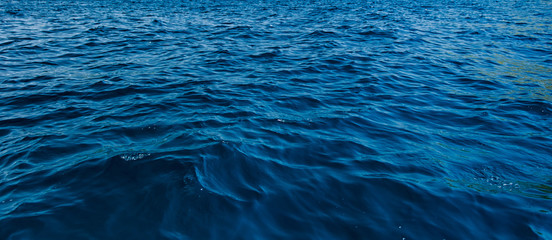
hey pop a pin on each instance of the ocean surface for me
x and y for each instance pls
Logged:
(290, 119)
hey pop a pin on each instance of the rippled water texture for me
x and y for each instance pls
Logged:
(316, 119)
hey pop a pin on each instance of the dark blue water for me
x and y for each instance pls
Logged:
(286, 119)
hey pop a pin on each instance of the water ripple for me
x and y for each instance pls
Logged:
(275, 120)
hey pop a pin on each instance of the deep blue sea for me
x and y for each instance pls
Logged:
(289, 119)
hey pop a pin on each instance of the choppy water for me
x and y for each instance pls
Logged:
(284, 119)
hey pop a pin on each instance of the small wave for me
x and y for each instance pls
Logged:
(378, 33)
(322, 33)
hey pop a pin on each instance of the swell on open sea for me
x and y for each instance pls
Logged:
(289, 119)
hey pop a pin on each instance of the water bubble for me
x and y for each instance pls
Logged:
(134, 156)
